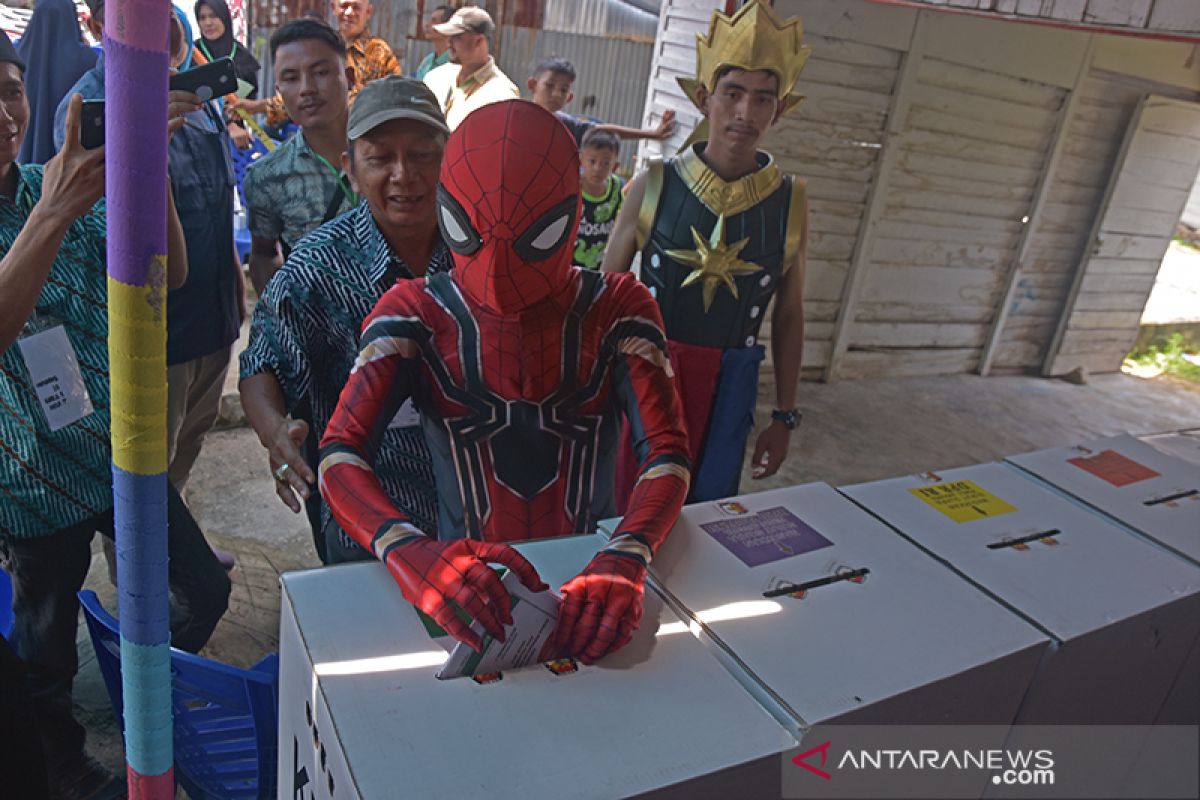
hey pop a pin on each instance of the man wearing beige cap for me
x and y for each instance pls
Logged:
(471, 80)
(304, 336)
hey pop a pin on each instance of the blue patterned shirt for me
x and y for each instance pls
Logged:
(305, 332)
(50, 480)
(288, 192)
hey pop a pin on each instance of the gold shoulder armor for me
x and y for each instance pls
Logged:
(795, 223)
(654, 185)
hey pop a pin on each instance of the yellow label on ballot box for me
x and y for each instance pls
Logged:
(963, 501)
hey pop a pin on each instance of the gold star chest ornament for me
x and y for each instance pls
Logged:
(714, 262)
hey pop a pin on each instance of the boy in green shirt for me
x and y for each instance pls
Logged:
(602, 196)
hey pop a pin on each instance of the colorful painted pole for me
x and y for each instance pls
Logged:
(135, 117)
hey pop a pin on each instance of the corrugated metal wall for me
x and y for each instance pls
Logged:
(600, 18)
(612, 73)
(610, 42)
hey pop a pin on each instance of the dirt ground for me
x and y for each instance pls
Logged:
(851, 432)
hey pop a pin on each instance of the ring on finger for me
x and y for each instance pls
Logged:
(281, 473)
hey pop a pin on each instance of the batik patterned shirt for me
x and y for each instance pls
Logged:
(288, 192)
(305, 332)
(50, 480)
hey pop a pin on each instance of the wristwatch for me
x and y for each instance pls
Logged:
(790, 418)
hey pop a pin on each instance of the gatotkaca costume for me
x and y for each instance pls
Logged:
(521, 367)
(713, 253)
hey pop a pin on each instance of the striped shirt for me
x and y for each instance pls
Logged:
(50, 480)
(305, 332)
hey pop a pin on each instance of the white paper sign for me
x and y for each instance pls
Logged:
(56, 377)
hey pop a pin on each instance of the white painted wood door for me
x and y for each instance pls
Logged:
(968, 155)
(1145, 198)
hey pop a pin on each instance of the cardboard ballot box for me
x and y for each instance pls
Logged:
(1181, 444)
(1131, 481)
(362, 715)
(822, 610)
(1123, 612)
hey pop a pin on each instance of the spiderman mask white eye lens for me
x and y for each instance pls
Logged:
(543, 238)
(456, 229)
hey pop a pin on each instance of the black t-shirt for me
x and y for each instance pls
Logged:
(578, 126)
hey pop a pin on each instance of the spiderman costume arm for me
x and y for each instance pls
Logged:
(432, 575)
(602, 606)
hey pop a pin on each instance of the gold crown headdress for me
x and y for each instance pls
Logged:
(752, 39)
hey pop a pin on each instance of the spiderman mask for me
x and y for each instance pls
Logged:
(508, 205)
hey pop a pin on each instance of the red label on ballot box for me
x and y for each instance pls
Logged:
(1111, 466)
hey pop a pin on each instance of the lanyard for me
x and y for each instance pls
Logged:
(208, 55)
(341, 179)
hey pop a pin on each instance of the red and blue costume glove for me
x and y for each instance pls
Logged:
(601, 608)
(433, 575)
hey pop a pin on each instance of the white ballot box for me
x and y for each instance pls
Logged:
(1153, 493)
(362, 715)
(1181, 444)
(1123, 612)
(821, 609)
(1183, 704)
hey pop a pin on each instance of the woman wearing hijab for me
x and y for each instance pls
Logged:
(56, 57)
(216, 41)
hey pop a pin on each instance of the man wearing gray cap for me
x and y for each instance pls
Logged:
(471, 79)
(305, 331)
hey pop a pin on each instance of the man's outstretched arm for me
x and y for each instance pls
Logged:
(787, 349)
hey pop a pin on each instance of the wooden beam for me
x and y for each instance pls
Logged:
(1081, 267)
(1035, 214)
(888, 162)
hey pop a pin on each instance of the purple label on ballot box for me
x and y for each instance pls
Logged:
(766, 536)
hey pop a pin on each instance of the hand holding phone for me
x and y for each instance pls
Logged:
(73, 180)
(91, 124)
(208, 81)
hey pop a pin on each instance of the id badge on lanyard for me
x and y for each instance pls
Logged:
(54, 371)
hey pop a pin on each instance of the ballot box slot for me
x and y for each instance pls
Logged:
(1022, 542)
(959, 571)
(799, 590)
(1171, 498)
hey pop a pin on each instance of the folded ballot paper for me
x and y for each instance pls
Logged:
(534, 616)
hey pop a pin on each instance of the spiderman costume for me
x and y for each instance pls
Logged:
(521, 367)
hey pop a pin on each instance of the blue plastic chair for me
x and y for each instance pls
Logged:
(288, 130)
(242, 240)
(226, 719)
(6, 598)
(242, 159)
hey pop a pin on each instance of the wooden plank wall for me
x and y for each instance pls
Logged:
(1181, 16)
(1120, 267)
(834, 140)
(972, 151)
(932, 244)
(1075, 191)
(674, 56)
